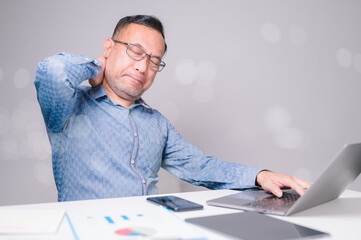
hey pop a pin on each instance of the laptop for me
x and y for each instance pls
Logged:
(341, 172)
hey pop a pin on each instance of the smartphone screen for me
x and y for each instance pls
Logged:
(175, 203)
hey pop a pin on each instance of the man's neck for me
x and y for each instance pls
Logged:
(114, 97)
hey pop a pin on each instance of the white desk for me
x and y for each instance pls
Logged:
(341, 217)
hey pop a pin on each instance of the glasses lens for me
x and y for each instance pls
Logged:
(154, 63)
(161, 66)
(156, 66)
(135, 52)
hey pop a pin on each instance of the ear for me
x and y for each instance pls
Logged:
(108, 46)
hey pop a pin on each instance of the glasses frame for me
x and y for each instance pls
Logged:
(160, 66)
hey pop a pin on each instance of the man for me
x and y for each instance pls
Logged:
(107, 142)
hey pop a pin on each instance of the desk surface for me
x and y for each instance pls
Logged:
(341, 217)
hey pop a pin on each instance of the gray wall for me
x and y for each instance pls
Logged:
(274, 84)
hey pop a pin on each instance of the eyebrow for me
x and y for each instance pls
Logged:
(140, 46)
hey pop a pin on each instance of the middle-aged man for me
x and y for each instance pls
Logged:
(107, 142)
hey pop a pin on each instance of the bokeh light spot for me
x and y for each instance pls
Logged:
(186, 71)
(277, 118)
(270, 32)
(38, 144)
(9, 148)
(4, 121)
(42, 173)
(344, 57)
(207, 72)
(21, 78)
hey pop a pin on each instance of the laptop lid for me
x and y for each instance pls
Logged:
(340, 173)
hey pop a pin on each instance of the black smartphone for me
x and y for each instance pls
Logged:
(175, 203)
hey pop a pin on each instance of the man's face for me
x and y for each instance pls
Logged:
(126, 77)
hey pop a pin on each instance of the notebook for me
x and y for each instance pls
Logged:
(340, 173)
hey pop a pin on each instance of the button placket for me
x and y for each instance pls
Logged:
(135, 151)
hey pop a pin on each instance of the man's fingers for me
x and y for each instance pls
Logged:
(298, 188)
(294, 183)
(273, 187)
(98, 79)
(305, 184)
(274, 182)
(275, 190)
(299, 185)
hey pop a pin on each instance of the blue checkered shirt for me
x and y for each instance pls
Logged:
(101, 149)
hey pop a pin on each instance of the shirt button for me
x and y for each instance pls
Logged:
(132, 162)
(135, 134)
(143, 181)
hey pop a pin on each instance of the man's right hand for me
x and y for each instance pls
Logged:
(98, 79)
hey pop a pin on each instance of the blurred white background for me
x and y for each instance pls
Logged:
(273, 84)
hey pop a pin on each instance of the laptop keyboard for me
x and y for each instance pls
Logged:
(275, 204)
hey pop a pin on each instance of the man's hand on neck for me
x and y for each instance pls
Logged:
(98, 79)
(94, 82)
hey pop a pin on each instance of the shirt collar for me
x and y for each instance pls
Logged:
(140, 101)
(99, 92)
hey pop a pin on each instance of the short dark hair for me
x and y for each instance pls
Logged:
(146, 20)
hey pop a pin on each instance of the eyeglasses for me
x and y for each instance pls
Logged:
(138, 54)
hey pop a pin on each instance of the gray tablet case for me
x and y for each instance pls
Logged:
(252, 226)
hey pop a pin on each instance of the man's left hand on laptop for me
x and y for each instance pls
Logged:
(273, 182)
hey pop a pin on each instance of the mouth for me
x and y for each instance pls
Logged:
(137, 79)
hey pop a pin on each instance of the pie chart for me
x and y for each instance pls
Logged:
(136, 231)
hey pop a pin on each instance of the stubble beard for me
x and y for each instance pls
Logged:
(122, 91)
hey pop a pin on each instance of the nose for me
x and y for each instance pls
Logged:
(141, 65)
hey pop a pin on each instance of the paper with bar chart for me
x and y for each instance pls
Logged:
(153, 223)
